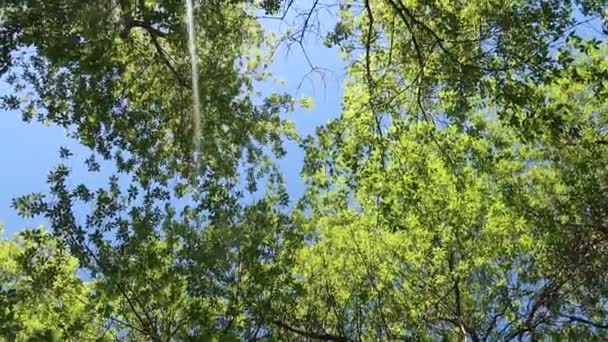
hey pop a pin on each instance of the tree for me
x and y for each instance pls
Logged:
(448, 198)
(114, 74)
(42, 297)
(458, 196)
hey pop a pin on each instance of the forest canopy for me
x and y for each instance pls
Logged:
(460, 193)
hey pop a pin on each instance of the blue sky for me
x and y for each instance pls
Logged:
(28, 151)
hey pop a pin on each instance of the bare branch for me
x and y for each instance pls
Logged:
(312, 9)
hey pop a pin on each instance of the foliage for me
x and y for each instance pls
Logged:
(42, 297)
(459, 195)
(451, 198)
(114, 73)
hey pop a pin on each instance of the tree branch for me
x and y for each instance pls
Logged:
(154, 33)
(312, 9)
(131, 23)
(315, 336)
(585, 321)
(165, 58)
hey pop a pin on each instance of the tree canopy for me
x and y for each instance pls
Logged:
(459, 195)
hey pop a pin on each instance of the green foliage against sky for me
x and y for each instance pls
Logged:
(459, 195)
(42, 297)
